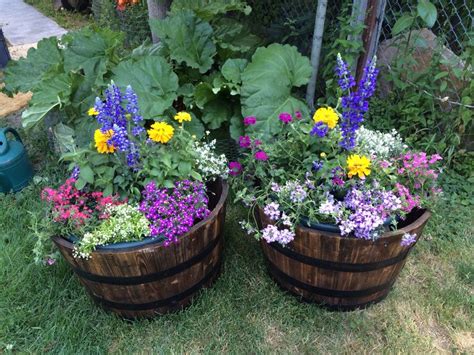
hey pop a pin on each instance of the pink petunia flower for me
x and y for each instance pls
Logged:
(250, 120)
(245, 141)
(285, 117)
(235, 168)
(261, 155)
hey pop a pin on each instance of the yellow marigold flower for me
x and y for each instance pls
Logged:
(182, 116)
(161, 132)
(92, 112)
(358, 165)
(322, 155)
(326, 115)
(101, 141)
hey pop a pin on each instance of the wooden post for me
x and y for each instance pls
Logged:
(316, 50)
(370, 37)
(359, 10)
(157, 9)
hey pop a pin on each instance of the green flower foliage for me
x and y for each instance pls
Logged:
(109, 172)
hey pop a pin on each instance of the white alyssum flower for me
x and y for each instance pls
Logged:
(126, 223)
(378, 144)
(209, 164)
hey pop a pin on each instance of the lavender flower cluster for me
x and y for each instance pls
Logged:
(172, 212)
(271, 234)
(113, 116)
(296, 192)
(356, 103)
(363, 210)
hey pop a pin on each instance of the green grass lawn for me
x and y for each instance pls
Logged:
(430, 309)
(67, 19)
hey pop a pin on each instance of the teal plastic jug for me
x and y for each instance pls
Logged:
(16, 170)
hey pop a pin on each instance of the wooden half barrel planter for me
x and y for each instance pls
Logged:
(145, 278)
(341, 273)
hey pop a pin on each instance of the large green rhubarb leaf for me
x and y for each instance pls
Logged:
(208, 9)
(153, 80)
(230, 34)
(267, 84)
(188, 38)
(24, 74)
(93, 52)
(48, 95)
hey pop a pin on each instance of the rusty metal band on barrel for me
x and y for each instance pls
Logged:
(136, 280)
(337, 266)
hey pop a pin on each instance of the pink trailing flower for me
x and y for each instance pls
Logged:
(245, 142)
(261, 155)
(298, 115)
(76, 207)
(434, 158)
(250, 120)
(235, 168)
(257, 142)
(285, 117)
(409, 202)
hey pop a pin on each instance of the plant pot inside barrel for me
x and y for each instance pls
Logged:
(145, 278)
(342, 273)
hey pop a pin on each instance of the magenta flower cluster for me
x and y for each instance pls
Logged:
(172, 212)
(285, 117)
(420, 169)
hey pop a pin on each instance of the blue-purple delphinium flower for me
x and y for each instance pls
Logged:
(132, 109)
(346, 80)
(317, 165)
(320, 129)
(75, 172)
(113, 116)
(356, 103)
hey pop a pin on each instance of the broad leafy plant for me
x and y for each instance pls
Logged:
(64, 76)
(268, 83)
(209, 52)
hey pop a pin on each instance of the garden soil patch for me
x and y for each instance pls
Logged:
(10, 105)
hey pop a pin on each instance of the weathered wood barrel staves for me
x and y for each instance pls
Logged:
(142, 281)
(341, 273)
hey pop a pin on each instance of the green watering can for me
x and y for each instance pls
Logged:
(15, 167)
